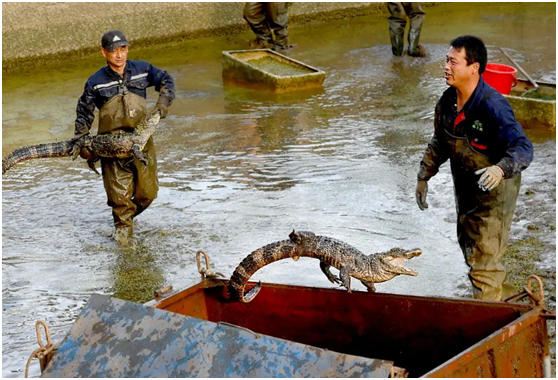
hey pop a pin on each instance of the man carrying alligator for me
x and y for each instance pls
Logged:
(118, 90)
(475, 128)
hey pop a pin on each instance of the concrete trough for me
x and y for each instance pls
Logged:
(534, 112)
(265, 69)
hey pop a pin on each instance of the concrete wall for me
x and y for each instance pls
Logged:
(48, 30)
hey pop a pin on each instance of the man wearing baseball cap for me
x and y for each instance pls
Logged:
(119, 91)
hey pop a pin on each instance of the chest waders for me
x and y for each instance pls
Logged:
(483, 217)
(130, 185)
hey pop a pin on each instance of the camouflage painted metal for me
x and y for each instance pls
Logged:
(115, 338)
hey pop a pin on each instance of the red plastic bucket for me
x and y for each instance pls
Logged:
(501, 77)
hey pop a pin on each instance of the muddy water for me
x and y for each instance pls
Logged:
(239, 169)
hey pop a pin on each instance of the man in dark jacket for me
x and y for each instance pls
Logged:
(475, 129)
(118, 90)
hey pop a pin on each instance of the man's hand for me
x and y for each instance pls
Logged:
(80, 149)
(491, 177)
(163, 109)
(422, 189)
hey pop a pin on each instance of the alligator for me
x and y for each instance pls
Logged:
(120, 145)
(374, 268)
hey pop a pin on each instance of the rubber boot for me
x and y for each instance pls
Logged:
(397, 22)
(416, 17)
(396, 44)
(255, 16)
(278, 18)
(259, 43)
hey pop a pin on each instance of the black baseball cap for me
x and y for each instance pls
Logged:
(113, 39)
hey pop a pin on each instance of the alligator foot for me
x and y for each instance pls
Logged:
(91, 164)
(75, 151)
(136, 151)
(330, 276)
(345, 277)
(369, 286)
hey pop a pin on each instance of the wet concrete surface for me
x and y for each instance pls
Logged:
(239, 169)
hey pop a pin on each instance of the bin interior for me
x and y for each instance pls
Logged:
(273, 63)
(416, 333)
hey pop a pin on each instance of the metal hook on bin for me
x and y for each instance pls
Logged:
(206, 272)
(47, 334)
(45, 352)
(537, 300)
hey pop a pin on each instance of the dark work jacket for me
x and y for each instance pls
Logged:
(487, 130)
(106, 84)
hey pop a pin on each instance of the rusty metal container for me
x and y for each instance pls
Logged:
(296, 331)
(265, 69)
(427, 336)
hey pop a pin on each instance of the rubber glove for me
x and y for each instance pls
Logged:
(491, 177)
(83, 151)
(163, 109)
(422, 189)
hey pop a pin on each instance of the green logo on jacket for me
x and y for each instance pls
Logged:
(478, 126)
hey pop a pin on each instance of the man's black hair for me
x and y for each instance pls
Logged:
(475, 51)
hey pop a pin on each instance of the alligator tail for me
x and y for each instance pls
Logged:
(252, 263)
(59, 149)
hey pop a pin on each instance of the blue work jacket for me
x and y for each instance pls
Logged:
(106, 84)
(486, 128)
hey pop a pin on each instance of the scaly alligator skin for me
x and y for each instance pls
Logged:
(374, 268)
(121, 145)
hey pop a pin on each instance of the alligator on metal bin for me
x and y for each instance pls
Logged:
(374, 268)
(121, 145)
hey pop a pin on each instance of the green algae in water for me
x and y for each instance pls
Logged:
(275, 67)
(136, 275)
(541, 94)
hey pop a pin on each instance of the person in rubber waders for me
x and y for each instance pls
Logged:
(475, 128)
(269, 22)
(119, 91)
(399, 12)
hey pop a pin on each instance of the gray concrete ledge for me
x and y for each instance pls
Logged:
(33, 33)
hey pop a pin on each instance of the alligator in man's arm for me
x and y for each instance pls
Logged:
(374, 268)
(110, 145)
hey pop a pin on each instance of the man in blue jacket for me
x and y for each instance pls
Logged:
(476, 130)
(119, 91)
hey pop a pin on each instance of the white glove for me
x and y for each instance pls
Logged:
(491, 178)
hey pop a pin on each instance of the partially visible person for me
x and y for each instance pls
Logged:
(475, 128)
(263, 18)
(119, 91)
(397, 23)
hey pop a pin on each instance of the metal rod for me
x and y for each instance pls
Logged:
(520, 68)
(160, 292)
